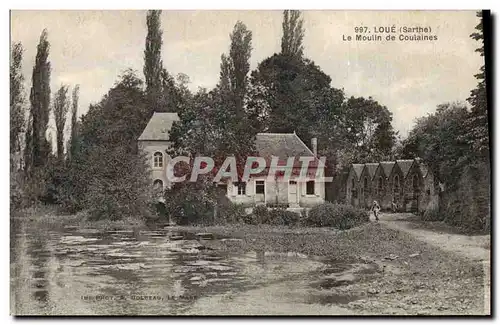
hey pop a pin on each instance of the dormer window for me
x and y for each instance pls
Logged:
(158, 160)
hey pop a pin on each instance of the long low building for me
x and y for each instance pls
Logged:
(402, 185)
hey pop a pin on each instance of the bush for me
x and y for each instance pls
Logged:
(231, 213)
(260, 215)
(283, 217)
(340, 216)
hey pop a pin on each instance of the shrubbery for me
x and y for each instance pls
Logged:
(340, 216)
(276, 216)
(231, 213)
(283, 217)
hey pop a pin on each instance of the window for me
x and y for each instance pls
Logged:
(259, 187)
(310, 188)
(416, 184)
(158, 187)
(396, 186)
(353, 189)
(242, 188)
(380, 185)
(158, 160)
(365, 185)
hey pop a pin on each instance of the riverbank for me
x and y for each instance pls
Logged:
(47, 216)
(409, 277)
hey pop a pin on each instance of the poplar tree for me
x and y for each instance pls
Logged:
(73, 141)
(16, 97)
(153, 65)
(293, 34)
(40, 103)
(61, 107)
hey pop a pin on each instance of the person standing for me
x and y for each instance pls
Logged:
(376, 209)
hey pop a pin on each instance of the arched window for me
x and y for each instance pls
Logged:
(158, 160)
(353, 189)
(416, 185)
(396, 184)
(380, 185)
(158, 185)
(365, 184)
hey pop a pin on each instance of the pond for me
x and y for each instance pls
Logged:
(148, 272)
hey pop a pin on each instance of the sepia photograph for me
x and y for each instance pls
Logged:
(250, 162)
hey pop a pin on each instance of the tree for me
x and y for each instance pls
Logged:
(61, 106)
(110, 176)
(477, 123)
(73, 141)
(16, 97)
(40, 103)
(436, 139)
(175, 94)
(368, 134)
(293, 34)
(291, 95)
(235, 67)
(153, 65)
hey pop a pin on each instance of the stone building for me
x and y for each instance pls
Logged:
(352, 184)
(293, 193)
(382, 192)
(406, 184)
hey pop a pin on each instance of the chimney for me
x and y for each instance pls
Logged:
(314, 146)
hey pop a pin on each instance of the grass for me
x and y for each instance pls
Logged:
(46, 216)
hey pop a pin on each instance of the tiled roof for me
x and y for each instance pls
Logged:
(358, 169)
(371, 168)
(387, 167)
(282, 145)
(159, 126)
(405, 165)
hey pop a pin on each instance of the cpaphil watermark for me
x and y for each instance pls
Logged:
(300, 168)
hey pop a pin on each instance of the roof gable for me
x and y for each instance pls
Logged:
(358, 169)
(371, 168)
(387, 167)
(159, 126)
(405, 166)
(282, 145)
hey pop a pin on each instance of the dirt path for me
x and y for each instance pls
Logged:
(471, 247)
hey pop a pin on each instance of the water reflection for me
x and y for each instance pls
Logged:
(39, 255)
(155, 272)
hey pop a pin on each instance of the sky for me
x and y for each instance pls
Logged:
(92, 48)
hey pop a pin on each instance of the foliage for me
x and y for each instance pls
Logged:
(153, 65)
(260, 215)
(120, 186)
(192, 202)
(477, 123)
(469, 205)
(292, 94)
(214, 123)
(61, 107)
(283, 217)
(109, 175)
(230, 213)
(73, 143)
(235, 68)
(16, 97)
(436, 139)
(340, 216)
(368, 134)
(293, 34)
(39, 148)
